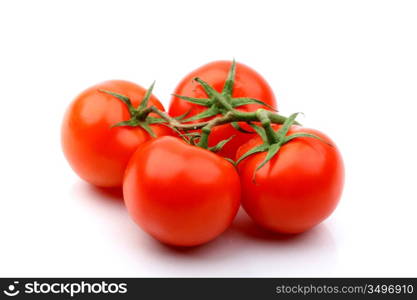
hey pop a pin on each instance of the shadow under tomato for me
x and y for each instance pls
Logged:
(246, 227)
(246, 250)
(244, 232)
(99, 194)
(183, 250)
(113, 194)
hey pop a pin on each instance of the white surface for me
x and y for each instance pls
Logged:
(350, 66)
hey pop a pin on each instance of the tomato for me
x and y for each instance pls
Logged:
(97, 152)
(298, 188)
(248, 83)
(180, 194)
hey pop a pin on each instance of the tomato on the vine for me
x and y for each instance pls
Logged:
(247, 83)
(180, 194)
(298, 188)
(96, 151)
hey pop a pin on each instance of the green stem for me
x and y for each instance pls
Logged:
(222, 100)
(263, 116)
(278, 119)
(232, 116)
(141, 115)
(172, 121)
(252, 117)
(206, 130)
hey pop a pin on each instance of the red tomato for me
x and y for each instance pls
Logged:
(248, 83)
(97, 152)
(298, 188)
(180, 194)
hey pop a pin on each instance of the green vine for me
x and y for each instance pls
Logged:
(221, 108)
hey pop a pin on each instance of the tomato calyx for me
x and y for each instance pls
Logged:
(220, 103)
(272, 139)
(221, 108)
(219, 146)
(139, 116)
(193, 138)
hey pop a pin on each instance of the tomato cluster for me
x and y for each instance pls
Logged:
(185, 173)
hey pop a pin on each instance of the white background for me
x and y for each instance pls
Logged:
(350, 66)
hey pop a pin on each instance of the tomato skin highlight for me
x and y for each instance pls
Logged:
(180, 194)
(97, 152)
(248, 83)
(297, 189)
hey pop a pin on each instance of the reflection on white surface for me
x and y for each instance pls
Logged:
(243, 250)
